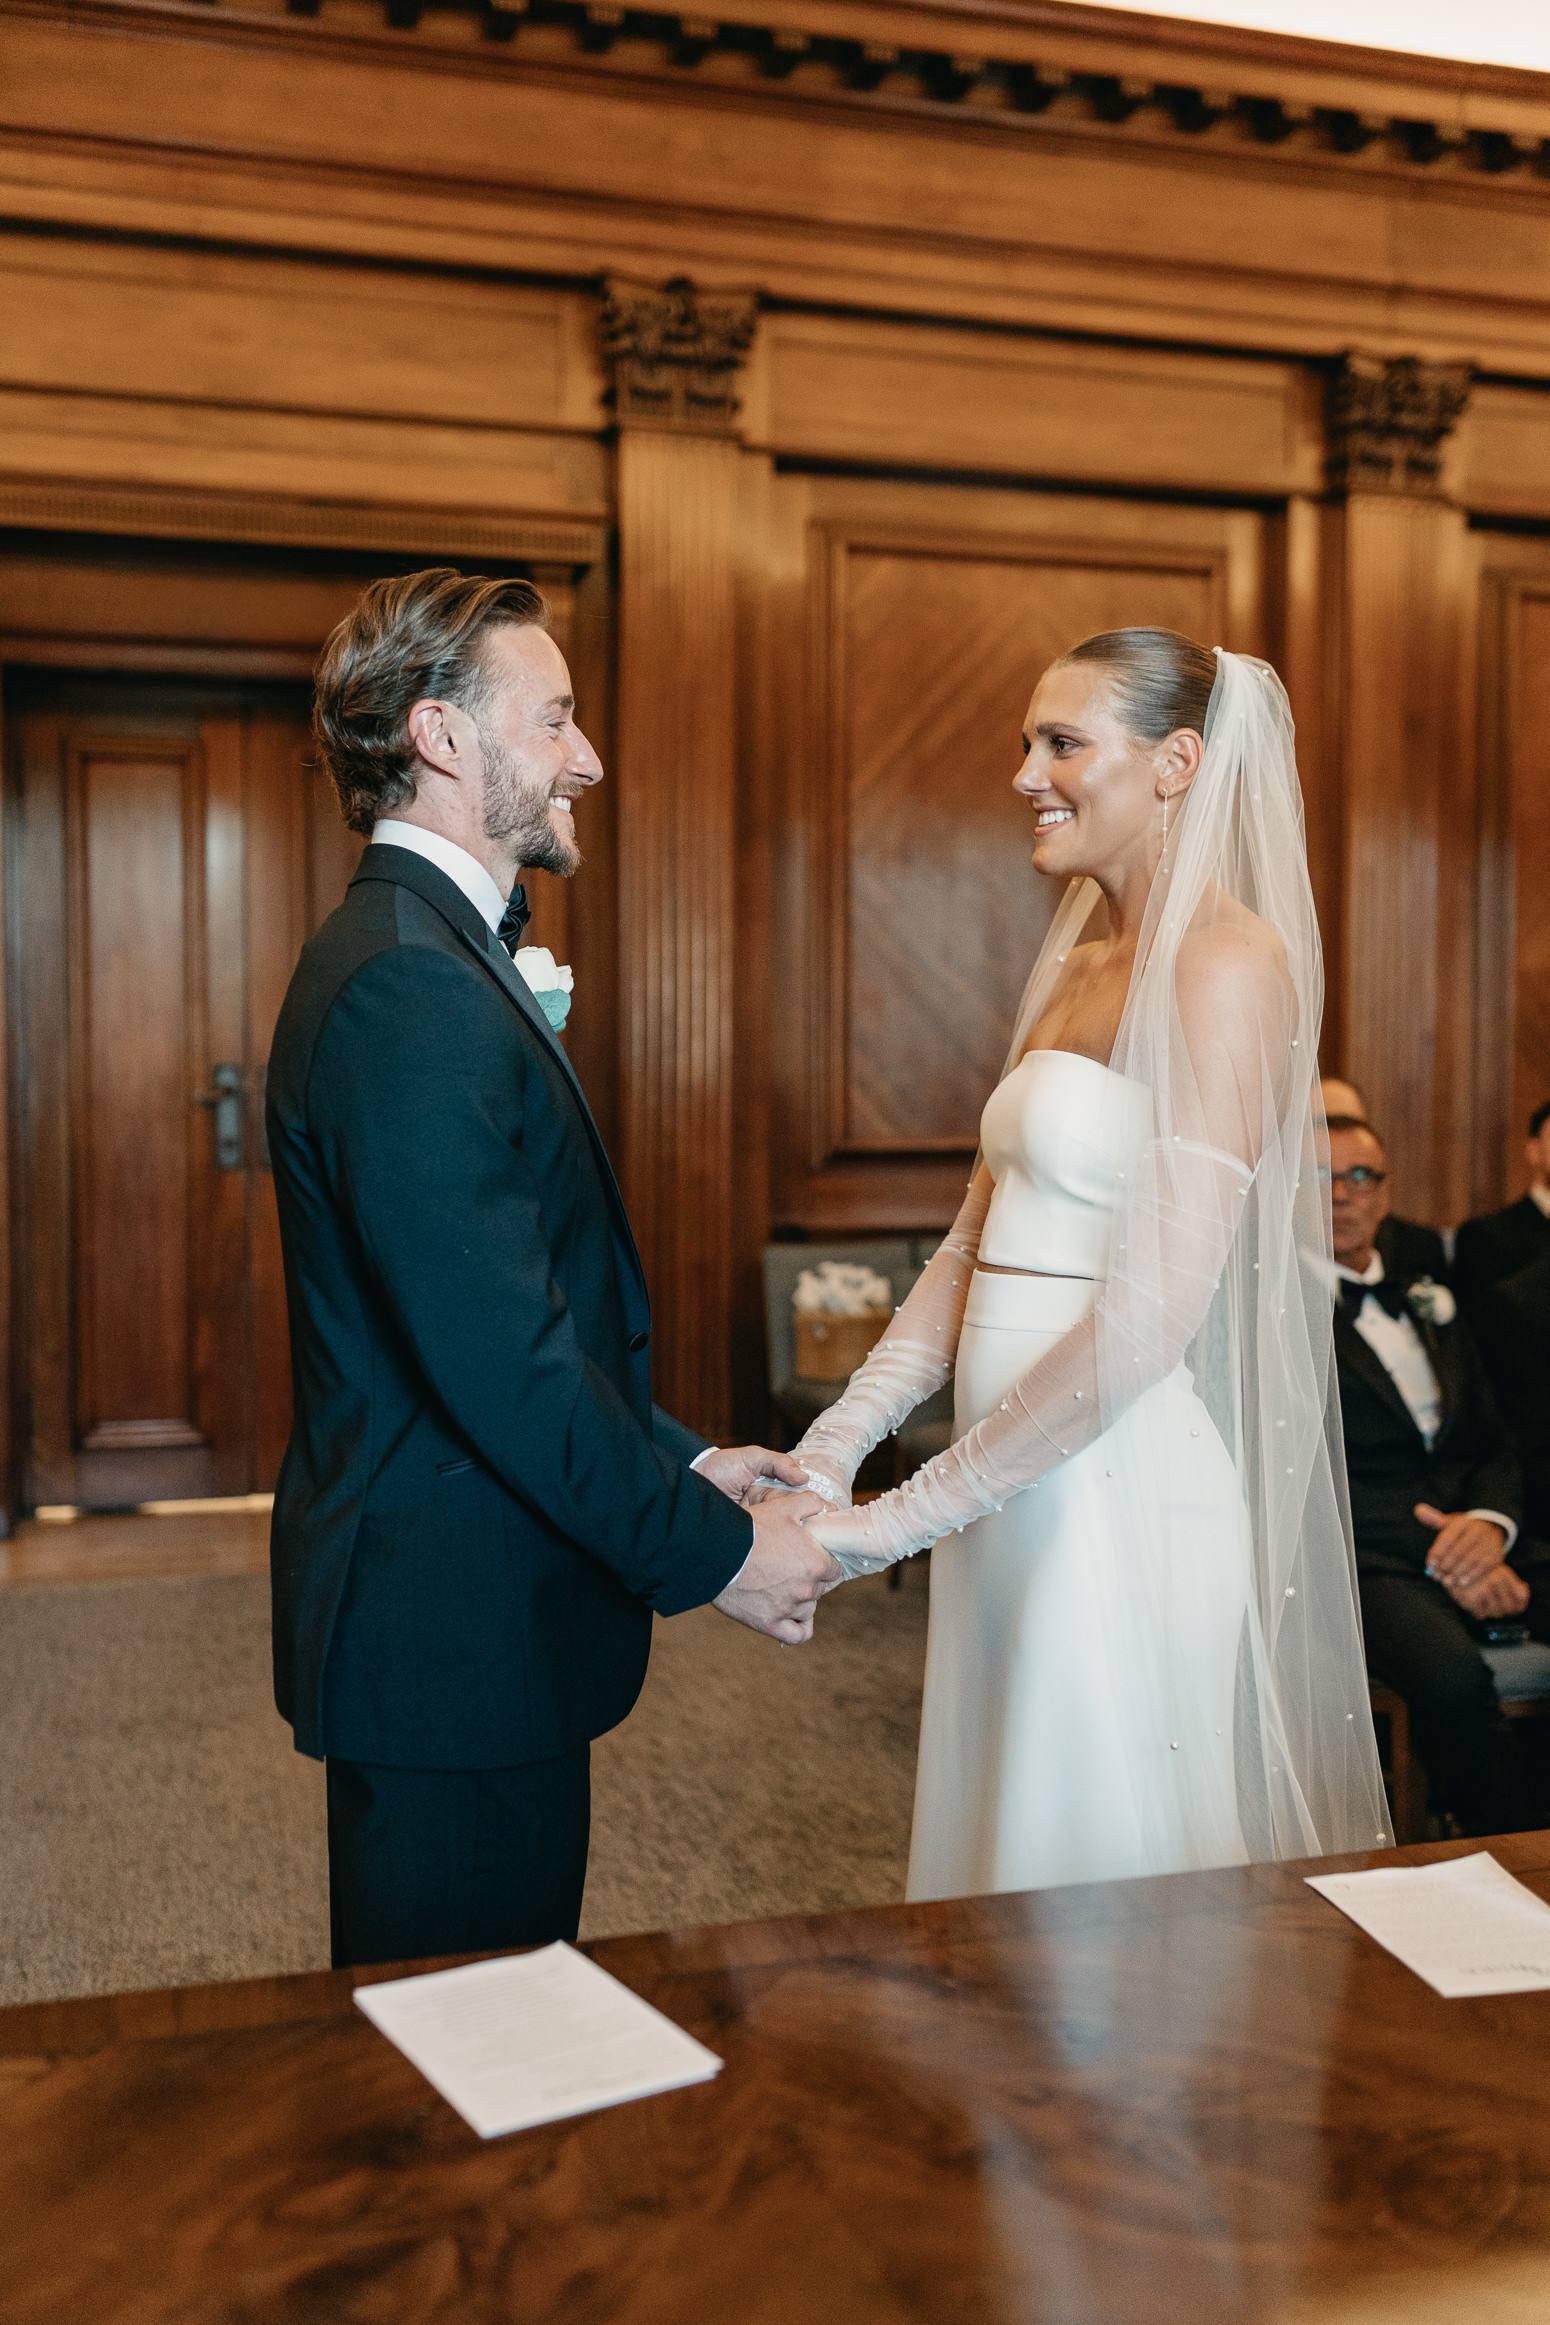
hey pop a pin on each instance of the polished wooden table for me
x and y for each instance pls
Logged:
(1202, 2098)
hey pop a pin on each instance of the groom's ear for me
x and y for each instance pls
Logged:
(433, 732)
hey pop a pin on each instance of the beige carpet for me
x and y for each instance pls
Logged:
(157, 1829)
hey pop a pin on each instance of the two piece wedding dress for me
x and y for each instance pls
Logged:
(1144, 1650)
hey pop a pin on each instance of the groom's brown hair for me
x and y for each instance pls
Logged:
(410, 637)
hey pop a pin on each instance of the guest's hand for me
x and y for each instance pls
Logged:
(786, 1573)
(1466, 1548)
(1496, 1597)
(741, 1471)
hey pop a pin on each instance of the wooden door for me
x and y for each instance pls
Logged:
(171, 847)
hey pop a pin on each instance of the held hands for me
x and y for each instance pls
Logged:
(743, 1471)
(1466, 1559)
(786, 1573)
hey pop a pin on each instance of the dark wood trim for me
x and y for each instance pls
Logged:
(175, 660)
(281, 520)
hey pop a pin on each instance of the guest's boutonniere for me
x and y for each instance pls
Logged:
(551, 984)
(1432, 1302)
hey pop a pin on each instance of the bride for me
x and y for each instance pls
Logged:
(1144, 1650)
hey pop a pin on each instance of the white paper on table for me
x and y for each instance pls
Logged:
(1465, 1925)
(533, 2038)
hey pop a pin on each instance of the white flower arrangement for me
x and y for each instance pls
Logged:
(839, 1288)
(1432, 1302)
(550, 982)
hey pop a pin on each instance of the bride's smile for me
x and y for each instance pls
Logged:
(1098, 788)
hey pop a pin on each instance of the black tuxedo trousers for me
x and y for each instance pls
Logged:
(479, 1507)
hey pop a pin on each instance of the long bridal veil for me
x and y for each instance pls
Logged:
(1261, 1351)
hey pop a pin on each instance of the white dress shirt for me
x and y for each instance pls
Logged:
(1401, 1351)
(1540, 1198)
(464, 870)
(470, 875)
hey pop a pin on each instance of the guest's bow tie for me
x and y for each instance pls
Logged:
(514, 919)
(1389, 1294)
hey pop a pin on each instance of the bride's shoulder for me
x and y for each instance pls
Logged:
(1229, 960)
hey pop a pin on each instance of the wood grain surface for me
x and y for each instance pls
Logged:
(678, 764)
(1199, 2099)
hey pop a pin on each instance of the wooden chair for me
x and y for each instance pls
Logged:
(1405, 1776)
(1522, 1675)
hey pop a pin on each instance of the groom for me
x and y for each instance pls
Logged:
(480, 1507)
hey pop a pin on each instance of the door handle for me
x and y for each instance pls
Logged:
(226, 1100)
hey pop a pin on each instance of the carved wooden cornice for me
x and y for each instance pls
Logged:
(675, 352)
(1015, 65)
(282, 520)
(1386, 422)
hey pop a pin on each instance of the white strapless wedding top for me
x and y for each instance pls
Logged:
(1060, 1134)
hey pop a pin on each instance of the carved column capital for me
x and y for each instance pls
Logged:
(676, 352)
(1386, 421)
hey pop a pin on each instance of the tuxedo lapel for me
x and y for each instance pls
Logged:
(1442, 1348)
(1355, 1353)
(402, 868)
(489, 949)
(493, 956)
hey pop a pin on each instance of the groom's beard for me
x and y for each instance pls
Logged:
(517, 817)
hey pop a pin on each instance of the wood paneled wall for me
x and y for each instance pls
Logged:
(1011, 324)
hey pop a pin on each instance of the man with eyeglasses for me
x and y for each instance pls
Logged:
(1435, 1503)
(1406, 1246)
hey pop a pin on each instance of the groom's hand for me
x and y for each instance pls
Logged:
(786, 1573)
(740, 1471)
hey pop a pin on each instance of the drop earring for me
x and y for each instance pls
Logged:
(1165, 827)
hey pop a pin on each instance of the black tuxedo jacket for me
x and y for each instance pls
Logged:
(1514, 1329)
(1471, 1465)
(1409, 1249)
(479, 1506)
(1497, 1245)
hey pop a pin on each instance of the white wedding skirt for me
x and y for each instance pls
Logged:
(1078, 1715)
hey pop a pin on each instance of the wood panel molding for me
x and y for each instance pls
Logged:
(134, 812)
(913, 916)
(551, 162)
(1387, 421)
(282, 521)
(678, 762)
(1036, 68)
(1407, 947)
(1408, 596)
(1512, 897)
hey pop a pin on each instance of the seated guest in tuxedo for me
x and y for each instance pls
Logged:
(1504, 1241)
(1405, 1247)
(1513, 1329)
(1435, 1496)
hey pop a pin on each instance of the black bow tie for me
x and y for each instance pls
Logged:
(1389, 1294)
(514, 919)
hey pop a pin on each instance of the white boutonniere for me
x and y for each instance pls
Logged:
(1432, 1302)
(550, 983)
